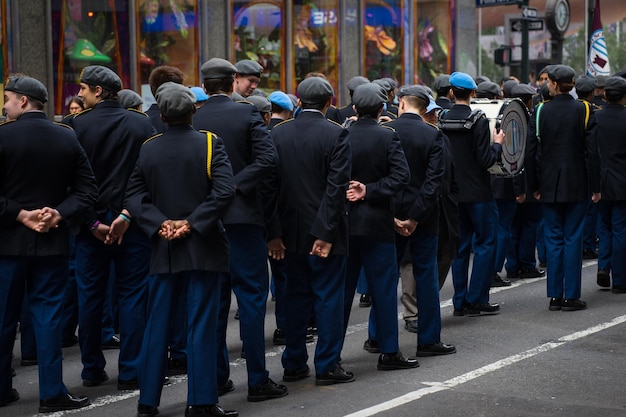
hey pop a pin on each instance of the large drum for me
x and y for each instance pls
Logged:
(511, 116)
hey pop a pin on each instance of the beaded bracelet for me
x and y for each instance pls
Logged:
(125, 217)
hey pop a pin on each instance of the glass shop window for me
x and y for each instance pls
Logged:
(383, 37)
(434, 39)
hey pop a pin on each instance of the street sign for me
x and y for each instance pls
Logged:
(487, 3)
(533, 25)
(529, 13)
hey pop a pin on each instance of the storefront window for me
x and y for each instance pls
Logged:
(88, 32)
(3, 47)
(315, 40)
(383, 33)
(258, 35)
(434, 39)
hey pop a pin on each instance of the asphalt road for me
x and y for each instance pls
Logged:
(525, 361)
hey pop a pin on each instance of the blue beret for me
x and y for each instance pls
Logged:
(248, 67)
(199, 93)
(282, 100)
(314, 90)
(128, 99)
(175, 99)
(432, 105)
(217, 68)
(462, 80)
(368, 95)
(104, 77)
(27, 86)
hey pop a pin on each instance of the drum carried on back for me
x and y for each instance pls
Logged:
(511, 116)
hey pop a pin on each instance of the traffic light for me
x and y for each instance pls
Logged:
(502, 55)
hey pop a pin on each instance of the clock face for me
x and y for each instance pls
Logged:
(561, 13)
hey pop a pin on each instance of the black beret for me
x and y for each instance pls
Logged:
(488, 89)
(521, 90)
(28, 86)
(314, 90)
(368, 95)
(615, 84)
(261, 103)
(354, 82)
(217, 68)
(104, 77)
(175, 99)
(415, 91)
(442, 81)
(508, 85)
(561, 73)
(249, 67)
(128, 99)
(585, 85)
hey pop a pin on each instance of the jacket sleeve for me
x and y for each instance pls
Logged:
(487, 153)
(593, 158)
(426, 200)
(399, 174)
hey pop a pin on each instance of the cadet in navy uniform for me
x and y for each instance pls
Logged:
(379, 171)
(478, 215)
(417, 213)
(348, 111)
(111, 137)
(560, 140)
(253, 156)
(45, 183)
(314, 170)
(609, 135)
(189, 245)
(158, 76)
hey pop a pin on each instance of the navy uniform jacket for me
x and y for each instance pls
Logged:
(250, 150)
(444, 102)
(41, 164)
(314, 168)
(473, 155)
(333, 114)
(378, 162)
(508, 188)
(610, 135)
(345, 112)
(424, 150)
(170, 181)
(564, 152)
(111, 137)
(154, 113)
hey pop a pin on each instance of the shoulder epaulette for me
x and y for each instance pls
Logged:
(139, 111)
(335, 123)
(64, 125)
(82, 112)
(152, 137)
(388, 127)
(6, 122)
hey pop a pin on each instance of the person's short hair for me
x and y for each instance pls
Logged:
(163, 74)
(415, 102)
(218, 85)
(106, 94)
(461, 93)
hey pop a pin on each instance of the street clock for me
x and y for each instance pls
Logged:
(557, 17)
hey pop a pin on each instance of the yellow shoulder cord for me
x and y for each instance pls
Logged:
(587, 113)
(209, 153)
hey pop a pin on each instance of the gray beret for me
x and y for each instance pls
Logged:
(481, 79)
(175, 99)
(261, 103)
(600, 80)
(128, 99)
(217, 68)
(615, 84)
(520, 90)
(442, 81)
(249, 67)
(259, 92)
(488, 89)
(384, 84)
(368, 95)
(392, 83)
(585, 85)
(104, 77)
(415, 91)
(314, 90)
(508, 85)
(354, 82)
(28, 86)
(561, 73)
(237, 97)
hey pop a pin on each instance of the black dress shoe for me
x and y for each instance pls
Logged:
(213, 410)
(112, 343)
(28, 361)
(475, 309)
(618, 289)
(365, 301)
(12, 397)
(603, 278)
(336, 376)
(556, 304)
(459, 312)
(127, 385)
(436, 349)
(589, 254)
(146, 410)
(70, 342)
(411, 326)
(279, 337)
(371, 346)
(531, 272)
(64, 402)
(512, 273)
(500, 282)
(291, 375)
(237, 314)
(574, 304)
(229, 386)
(267, 391)
(97, 381)
(393, 361)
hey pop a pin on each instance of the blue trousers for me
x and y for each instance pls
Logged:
(589, 232)
(541, 239)
(423, 247)
(613, 214)
(178, 322)
(279, 277)
(28, 344)
(249, 281)
(563, 228)
(523, 237)
(378, 262)
(605, 232)
(131, 261)
(201, 315)
(361, 286)
(43, 279)
(317, 283)
(479, 220)
(506, 211)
